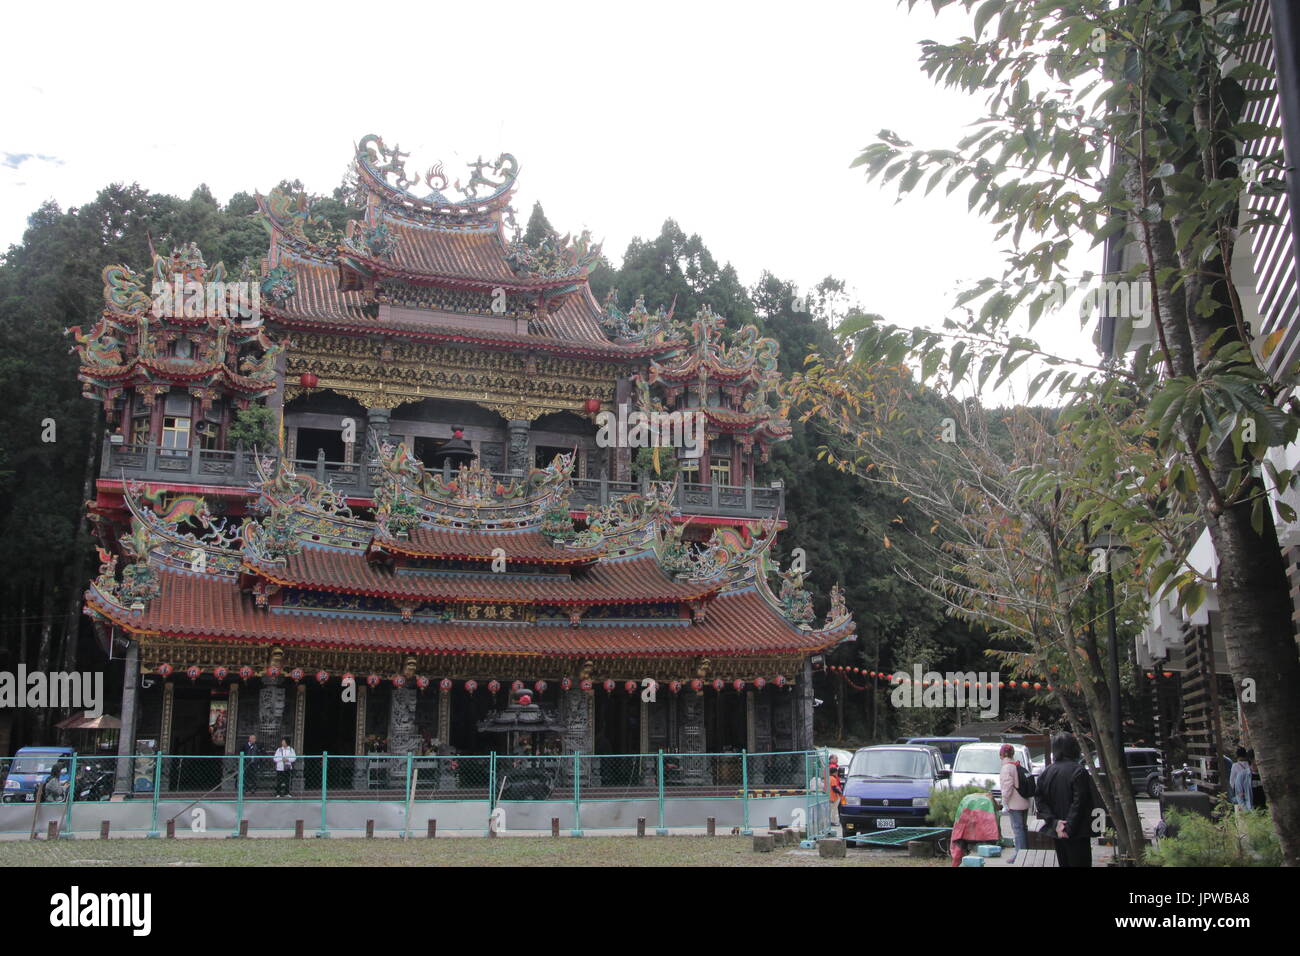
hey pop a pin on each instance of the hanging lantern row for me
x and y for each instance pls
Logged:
(193, 672)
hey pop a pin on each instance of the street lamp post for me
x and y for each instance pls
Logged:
(1108, 543)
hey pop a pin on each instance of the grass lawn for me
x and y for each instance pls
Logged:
(477, 851)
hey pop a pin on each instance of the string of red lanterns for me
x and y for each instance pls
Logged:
(889, 678)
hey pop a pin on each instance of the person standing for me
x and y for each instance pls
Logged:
(1240, 784)
(251, 750)
(1016, 805)
(284, 760)
(1064, 794)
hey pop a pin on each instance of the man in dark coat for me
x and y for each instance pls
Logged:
(1064, 795)
(251, 751)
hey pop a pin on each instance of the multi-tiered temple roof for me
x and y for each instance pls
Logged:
(455, 572)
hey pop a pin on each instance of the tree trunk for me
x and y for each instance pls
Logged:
(41, 728)
(80, 548)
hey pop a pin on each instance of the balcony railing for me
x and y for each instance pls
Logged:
(235, 469)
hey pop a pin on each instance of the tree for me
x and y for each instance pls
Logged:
(1125, 122)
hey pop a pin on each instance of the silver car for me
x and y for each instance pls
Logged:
(979, 764)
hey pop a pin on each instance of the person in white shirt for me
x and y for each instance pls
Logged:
(1017, 806)
(284, 758)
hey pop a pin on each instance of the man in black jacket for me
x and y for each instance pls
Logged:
(251, 751)
(1064, 795)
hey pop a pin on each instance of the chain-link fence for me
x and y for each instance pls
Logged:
(411, 795)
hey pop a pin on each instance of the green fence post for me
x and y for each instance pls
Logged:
(72, 795)
(662, 829)
(577, 795)
(239, 797)
(157, 789)
(324, 792)
(492, 786)
(410, 761)
(745, 829)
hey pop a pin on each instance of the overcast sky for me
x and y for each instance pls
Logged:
(739, 120)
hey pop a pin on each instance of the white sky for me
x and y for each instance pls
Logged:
(739, 120)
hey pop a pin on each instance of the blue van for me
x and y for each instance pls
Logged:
(948, 746)
(30, 767)
(889, 786)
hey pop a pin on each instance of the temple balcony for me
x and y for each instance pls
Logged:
(235, 470)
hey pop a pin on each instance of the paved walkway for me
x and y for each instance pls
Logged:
(1148, 811)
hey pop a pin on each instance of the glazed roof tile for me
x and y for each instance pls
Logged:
(207, 607)
(632, 581)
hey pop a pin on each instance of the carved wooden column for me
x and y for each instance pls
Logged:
(758, 715)
(168, 707)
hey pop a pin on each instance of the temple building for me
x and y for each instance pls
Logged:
(440, 525)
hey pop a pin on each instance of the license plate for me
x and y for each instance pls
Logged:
(885, 823)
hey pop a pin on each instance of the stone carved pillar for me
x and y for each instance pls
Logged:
(125, 777)
(359, 768)
(517, 453)
(803, 709)
(377, 420)
(299, 731)
(403, 737)
(758, 711)
(444, 722)
(230, 772)
(578, 715)
(270, 712)
(694, 769)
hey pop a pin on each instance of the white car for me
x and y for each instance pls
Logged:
(979, 764)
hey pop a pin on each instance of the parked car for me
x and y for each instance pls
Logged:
(1145, 770)
(947, 746)
(889, 786)
(30, 767)
(979, 764)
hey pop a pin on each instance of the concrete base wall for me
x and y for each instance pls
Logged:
(218, 817)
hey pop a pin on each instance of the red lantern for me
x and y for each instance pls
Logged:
(516, 685)
(566, 683)
(719, 683)
(780, 681)
(525, 700)
(322, 677)
(444, 685)
(422, 682)
(540, 687)
(273, 671)
(697, 685)
(348, 679)
(245, 672)
(608, 685)
(587, 684)
(221, 672)
(675, 686)
(399, 680)
(165, 670)
(1038, 686)
(591, 406)
(471, 686)
(738, 684)
(630, 687)
(494, 686)
(760, 682)
(296, 674)
(308, 380)
(373, 680)
(193, 672)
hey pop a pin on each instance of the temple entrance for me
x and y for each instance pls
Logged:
(618, 733)
(192, 741)
(329, 726)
